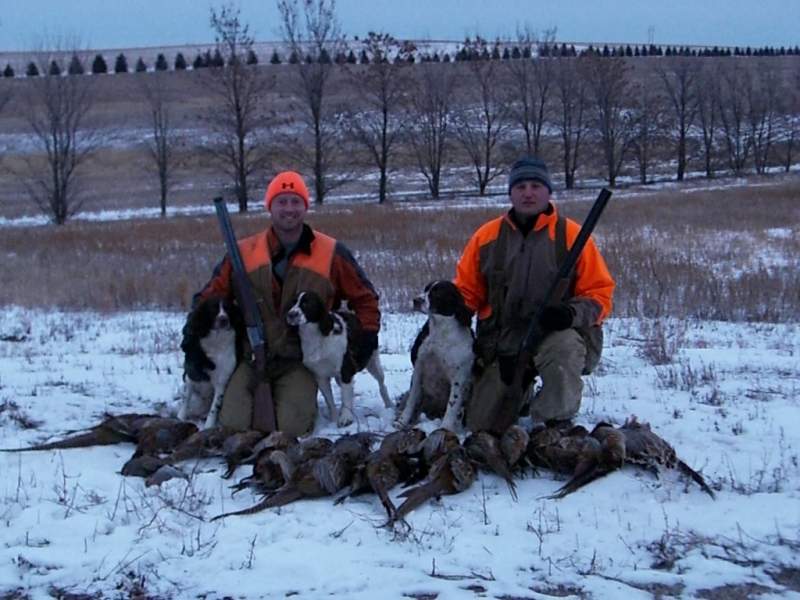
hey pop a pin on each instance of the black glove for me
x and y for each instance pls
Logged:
(508, 365)
(367, 344)
(557, 317)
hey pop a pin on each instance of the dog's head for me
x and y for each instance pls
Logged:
(219, 314)
(211, 315)
(310, 308)
(442, 297)
(215, 313)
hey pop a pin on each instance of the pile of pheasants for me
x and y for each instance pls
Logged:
(285, 469)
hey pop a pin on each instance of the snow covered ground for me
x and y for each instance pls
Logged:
(727, 398)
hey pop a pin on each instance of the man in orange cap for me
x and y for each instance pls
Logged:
(288, 258)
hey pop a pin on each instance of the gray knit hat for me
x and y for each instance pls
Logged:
(529, 167)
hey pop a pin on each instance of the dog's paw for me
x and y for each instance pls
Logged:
(211, 421)
(345, 418)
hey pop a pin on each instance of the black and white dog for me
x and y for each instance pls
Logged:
(328, 339)
(212, 346)
(442, 356)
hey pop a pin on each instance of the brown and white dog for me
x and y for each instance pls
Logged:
(211, 351)
(442, 356)
(327, 339)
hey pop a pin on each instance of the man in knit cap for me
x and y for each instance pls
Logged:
(504, 272)
(288, 258)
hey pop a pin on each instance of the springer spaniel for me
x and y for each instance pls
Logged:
(327, 340)
(211, 349)
(442, 356)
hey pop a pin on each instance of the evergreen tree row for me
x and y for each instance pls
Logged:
(467, 52)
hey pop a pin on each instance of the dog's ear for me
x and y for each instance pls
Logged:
(199, 319)
(326, 324)
(463, 315)
(423, 333)
(312, 306)
(449, 301)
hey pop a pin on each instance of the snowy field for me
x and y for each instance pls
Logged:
(727, 398)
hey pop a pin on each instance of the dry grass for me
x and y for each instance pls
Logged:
(728, 254)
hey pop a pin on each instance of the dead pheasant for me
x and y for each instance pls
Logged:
(277, 440)
(513, 444)
(437, 444)
(450, 474)
(484, 449)
(142, 466)
(201, 444)
(267, 475)
(394, 462)
(309, 449)
(644, 448)
(112, 430)
(599, 453)
(556, 449)
(296, 453)
(162, 436)
(237, 447)
(337, 468)
(634, 443)
(155, 470)
(315, 477)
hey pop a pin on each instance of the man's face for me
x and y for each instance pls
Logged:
(529, 197)
(288, 211)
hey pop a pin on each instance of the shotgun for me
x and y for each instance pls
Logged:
(513, 395)
(263, 418)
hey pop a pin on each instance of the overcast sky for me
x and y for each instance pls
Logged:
(127, 23)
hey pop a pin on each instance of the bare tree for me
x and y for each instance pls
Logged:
(706, 92)
(482, 120)
(381, 86)
(311, 30)
(531, 81)
(608, 89)
(789, 122)
(762, 113)
(429, 120)
(732, 105)
(678, 76)
(647, 113)
(5, 92)
(56, 108)
(161, 147)
(569, 114)
(237, 115)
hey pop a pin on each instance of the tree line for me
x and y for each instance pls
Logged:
(585, 113)
(499, 50)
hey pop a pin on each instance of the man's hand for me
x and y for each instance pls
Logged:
(367, 344)
(557, 317)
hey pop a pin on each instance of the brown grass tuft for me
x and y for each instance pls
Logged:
(729, 254)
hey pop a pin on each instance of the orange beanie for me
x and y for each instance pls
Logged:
(286, 182)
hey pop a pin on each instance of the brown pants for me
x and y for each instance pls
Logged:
(560, 360)
(294, 393)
